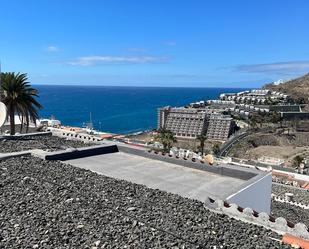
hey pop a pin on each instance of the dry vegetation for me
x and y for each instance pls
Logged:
(282, 152)
(277, 145)
(145, 137)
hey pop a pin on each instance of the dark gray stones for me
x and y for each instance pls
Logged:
(292, 213)
(299, 195)
(66, 207)
(44, 142)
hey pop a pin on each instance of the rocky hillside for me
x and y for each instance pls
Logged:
(281, 146)
(296, 88)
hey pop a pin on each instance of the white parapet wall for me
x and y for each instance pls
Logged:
(293, 203)
(279, 225)
(72, 135)
(257, 195)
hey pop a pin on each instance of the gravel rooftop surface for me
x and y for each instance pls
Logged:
(290, 212)
(17, 129)
(48, 204)
(300, 195)
(47, 143)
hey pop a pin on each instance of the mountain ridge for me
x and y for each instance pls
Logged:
(297, 88)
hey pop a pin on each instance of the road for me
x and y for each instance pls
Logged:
(232, 142)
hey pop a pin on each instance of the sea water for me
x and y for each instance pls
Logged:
(117, 109)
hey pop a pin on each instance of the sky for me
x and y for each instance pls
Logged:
(180, 43)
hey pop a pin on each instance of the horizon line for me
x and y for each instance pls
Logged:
(134, 86)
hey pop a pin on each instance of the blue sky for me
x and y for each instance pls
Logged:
(198, 43)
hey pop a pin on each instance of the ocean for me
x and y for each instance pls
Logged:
(117, 109)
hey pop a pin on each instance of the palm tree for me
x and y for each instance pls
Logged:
(297, 160)
(166, 138)
(202, 138)
(19, 98)
(216, 149)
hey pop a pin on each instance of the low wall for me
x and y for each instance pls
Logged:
(79, 153)
(76, 136)
(4, 156)
(243, 173)
(34, 134)
(293, 203)
(294, 115)
(279, 225)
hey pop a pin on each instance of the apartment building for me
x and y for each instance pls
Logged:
(184, 122)
(220, 127)
(191, 122)
(256, 96)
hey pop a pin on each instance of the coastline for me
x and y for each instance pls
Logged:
(121, 110)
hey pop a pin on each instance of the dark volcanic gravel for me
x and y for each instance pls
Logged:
(290, 212)
(17, 128)
(46, 204)
(47, 143)
(300, 195)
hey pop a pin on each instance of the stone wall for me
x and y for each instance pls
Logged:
(280, 224)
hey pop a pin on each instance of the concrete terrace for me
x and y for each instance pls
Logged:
(187, 182)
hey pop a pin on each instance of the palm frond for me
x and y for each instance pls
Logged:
(19, 97)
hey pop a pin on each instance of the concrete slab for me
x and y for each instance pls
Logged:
(187, 182)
